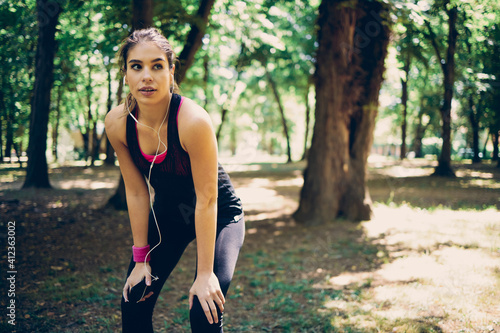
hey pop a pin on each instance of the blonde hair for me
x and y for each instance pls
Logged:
(151, 35)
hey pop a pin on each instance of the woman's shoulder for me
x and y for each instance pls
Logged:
(191, 113)
(115, 123)
(194, 124)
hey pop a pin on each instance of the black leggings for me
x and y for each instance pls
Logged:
(137, 317)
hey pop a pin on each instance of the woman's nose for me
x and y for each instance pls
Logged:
(146, 75)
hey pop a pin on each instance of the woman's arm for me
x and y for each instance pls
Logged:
(135, 185)
(198, 139)
(136, 191)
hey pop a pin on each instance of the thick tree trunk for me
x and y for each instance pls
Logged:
(282, 112)
(353, 39)
(143, 14)
(37, 170)
(448, 66)
(110, 153)
(404, 103)
(194, 39)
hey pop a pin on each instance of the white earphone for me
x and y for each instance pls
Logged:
(160, 142)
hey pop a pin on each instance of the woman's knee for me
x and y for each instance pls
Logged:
(199, 321)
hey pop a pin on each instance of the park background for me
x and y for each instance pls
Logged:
(391, 106)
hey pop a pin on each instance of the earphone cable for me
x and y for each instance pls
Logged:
(160, 142)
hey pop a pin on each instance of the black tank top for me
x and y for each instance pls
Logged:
(172, 179)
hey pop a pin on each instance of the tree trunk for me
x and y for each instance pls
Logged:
(90, 122)
(474, 121)
(404, 103)
(235, 95)
(282, 112)
(55, 131)
(119, 200)
(194, 39)
(485, 146)
(353, 38)
(110, 153)
(495, 138)
(142, 18)
(308, 120)
(9, 134)
(3, 112)
(232, 140)
(143, 14)
(1, 135)
(444, 163)
(419, 134)
(96, 142)
(37, 170)
(222, 119)
(205, 81)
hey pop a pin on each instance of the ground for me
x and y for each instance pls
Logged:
(428, 260)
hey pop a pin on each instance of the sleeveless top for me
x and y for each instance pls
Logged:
(172, 179)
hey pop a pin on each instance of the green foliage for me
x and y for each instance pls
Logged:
(244, 39)
(476, 70)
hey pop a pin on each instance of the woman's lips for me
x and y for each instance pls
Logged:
(147, 91)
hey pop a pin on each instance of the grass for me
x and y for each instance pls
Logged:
(426, 262)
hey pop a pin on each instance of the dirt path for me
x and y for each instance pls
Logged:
(414, 267)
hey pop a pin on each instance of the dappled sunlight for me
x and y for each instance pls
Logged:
(474, 174)
(87, 184)
(442, 264)
(400, 171)
(299, 181)
(261, 195)
(256, 198)
(421, 229)
(484, 183)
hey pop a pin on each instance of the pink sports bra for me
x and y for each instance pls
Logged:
(161, 157)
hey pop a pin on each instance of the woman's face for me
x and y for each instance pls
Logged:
(148, 74)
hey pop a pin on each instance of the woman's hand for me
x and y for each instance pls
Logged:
(139, 272)
(207, 288)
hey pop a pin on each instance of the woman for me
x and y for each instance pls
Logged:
(168, 139)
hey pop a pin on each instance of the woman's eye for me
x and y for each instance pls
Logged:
(135, 66)
(158, 66)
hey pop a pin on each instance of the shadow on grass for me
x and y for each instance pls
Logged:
(476, 186)
(72, 256)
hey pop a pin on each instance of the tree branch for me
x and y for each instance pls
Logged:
(432, 37)
(194, 39)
